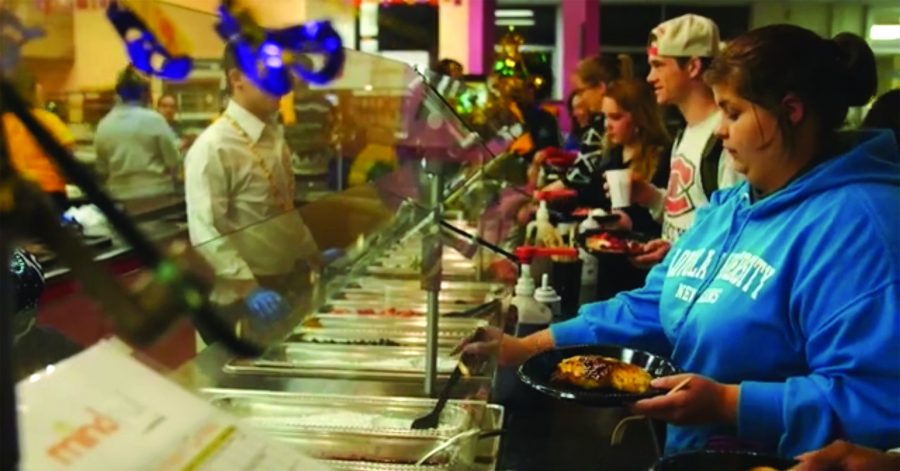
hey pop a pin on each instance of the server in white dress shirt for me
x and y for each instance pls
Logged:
(136, 152)
(239, 190)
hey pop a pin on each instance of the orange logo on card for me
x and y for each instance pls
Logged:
(78, 441)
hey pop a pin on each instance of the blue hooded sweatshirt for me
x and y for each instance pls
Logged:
(795, 298)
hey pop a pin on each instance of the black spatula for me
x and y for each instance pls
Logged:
(432, 419)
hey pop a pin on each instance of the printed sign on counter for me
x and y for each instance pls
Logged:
(103, 409)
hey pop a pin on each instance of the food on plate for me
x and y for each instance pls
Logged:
(606, 242)
(598, 372)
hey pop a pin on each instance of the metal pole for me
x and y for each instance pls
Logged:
(9, 433)
(432, 251)
(9, 430)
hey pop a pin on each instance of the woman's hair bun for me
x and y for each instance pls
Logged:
(857, 60)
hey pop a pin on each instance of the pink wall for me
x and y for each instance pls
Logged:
(580, 38)
(581, 33)
(481, 35)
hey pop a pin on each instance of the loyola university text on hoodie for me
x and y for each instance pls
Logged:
(796, 298)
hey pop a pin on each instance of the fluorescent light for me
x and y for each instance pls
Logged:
(514, 22)
(514, 13)
(884, 32)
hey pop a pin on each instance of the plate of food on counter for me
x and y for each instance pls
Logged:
(723, 460)
(613, 242)
(596, 375)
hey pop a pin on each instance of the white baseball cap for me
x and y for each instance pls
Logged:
(686, 36)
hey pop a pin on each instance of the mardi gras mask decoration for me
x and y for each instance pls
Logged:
(268, 57)
(151, 40)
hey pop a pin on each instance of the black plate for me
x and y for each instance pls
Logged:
(625, 235)
(563, 205)
(721, 461)
(536, 372)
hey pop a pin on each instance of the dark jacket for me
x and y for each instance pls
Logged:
(591, 193)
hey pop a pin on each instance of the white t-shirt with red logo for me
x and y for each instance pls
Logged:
(685, 193)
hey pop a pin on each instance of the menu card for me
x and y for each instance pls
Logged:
(103, 409)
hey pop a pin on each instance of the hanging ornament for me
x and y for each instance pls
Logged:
(154, 45)
(269, 56)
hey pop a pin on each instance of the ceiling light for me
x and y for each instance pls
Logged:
(514, 13)
(514, 22)
(884, 32)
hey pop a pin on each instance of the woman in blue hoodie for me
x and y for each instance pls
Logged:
(783, 300)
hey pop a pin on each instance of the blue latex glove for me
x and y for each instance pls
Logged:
(70, 222)
(331, 254)
(266, 304)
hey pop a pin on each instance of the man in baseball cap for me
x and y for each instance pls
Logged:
(679, 51)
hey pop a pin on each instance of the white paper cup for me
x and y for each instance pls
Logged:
(619, 187)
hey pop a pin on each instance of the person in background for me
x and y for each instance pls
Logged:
(310, 130)
(579, 113)
(786, 323)
(636, 138)
(239, 190)
(450, 68)
(885, 113)
(679, 51)
(27, 156)
(540, 123)
(136, 152)
(591, 80)
(167, 106)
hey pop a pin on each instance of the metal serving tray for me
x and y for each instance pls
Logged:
(418, 307)
(378, 283)
(447, 338)
(356, 432)
(397, 324)
(410, 253)
(377, 453)
(291, 413)
(458, 270)
(388, 294)
(295, 359)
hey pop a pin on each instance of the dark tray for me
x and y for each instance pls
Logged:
(537, 371)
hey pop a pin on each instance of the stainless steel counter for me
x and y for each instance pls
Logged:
(208, 375)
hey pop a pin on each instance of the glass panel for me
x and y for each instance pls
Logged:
(324, 251)
(364, 148)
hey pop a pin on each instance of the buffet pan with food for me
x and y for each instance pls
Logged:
(343, 361)
(358, 432)
(393, 331)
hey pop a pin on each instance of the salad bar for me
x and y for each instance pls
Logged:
(365, 344)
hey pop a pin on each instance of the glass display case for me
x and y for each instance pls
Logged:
(356, 292)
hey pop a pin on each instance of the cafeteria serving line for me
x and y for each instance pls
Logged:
(275, 247)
